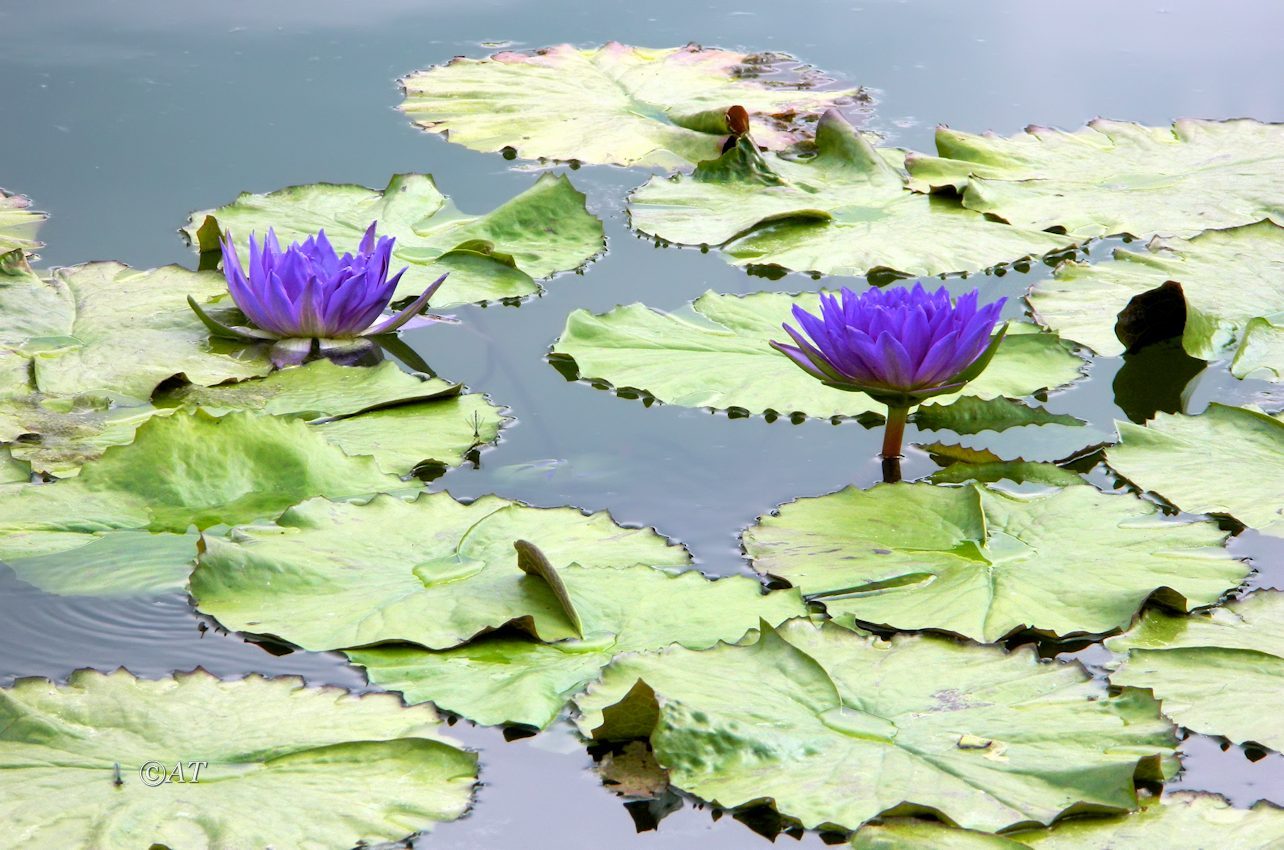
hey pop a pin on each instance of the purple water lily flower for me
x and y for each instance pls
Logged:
(307, 297)
(899, 346)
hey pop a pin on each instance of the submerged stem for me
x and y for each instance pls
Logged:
(894, 434)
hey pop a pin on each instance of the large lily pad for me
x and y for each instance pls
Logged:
(18, 224)
(845, 211)
(122, 526)
(718, 356)
(431, 571)
(1181, 821)
(108, 330)
(506, 679)
(834, 728)
(1214, 671)
(1114, 177)
(1227, 460)
(1227, 278)
(57, 435)
(985, 563)
(400, 419)
(541, 232)
(617, 104)
(254, 763)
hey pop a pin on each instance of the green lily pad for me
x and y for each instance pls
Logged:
(1082, 301)
(252, 762)
(717, 355)
(618, 104)
(1115, 177)
(108, 330)
(541, 232)
(1227, 460)
(835, 729)
(845, 211)
(400, 419)
(1018, 471)
(136, 504)
(431, 571)
(1214, 670)
(984, 563)
(972, 415)
(508, 679)
(57, 435)
(13, 471)
(1182, 820)
(18, 224)
(1261, 351)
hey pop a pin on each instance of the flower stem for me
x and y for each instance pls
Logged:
(894, 434)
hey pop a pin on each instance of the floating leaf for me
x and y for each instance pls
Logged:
(1114, 177)
(1261, 351)
(18, 224)
(1215, 670)
(1225, 279)
(400, 419)
(106, 329)
(13, 471)
(57, 435)
(845, 211)
(718, 356)
(90, 533)
(834, 729)
(972, 415)
(431, 571)
(246, 763)
(1181, 820)
(985, 563)
(618, 104)
(1018, 471)
(542, 231)
(508, 679)
(1227, 460)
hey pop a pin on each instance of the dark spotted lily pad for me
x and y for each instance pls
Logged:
(985, 563)
(516, 679)
(845, 211)
(539, 233)
(618, 104)
(1223, 281)
(116, 763)
(834, 728)
(1214, 670)
(432, 571)
(717, 355)
(1114, 177)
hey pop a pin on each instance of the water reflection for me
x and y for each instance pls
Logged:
(1154, 378)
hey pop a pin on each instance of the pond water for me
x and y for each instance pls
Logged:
(122, 117)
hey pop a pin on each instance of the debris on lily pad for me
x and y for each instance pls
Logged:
(619, 104)
(1209, 290)
(1115, 177)
(431, 571)
(1227, 461)
(500, 255)
(1213, 670)
(844, 211)
(515, 678)
(18, 224)
(834, 729)
(986, 563)
(125, 525)
(117, 763)
(717, 354)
